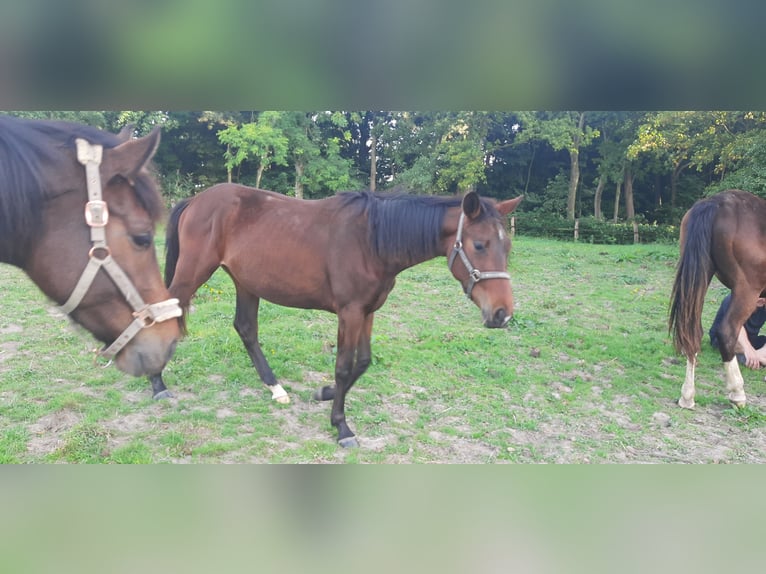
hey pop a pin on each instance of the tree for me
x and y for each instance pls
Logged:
(260, 141)
(562, 131)
(314, 149)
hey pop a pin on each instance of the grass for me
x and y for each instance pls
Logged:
(585, 373)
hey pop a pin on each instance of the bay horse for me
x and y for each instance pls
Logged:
(723, 235)
(339, 254)
(78, 209)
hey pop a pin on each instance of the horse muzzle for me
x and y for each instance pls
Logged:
(497, 320)
(147, 355)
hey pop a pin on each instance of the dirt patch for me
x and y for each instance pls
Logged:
(47, 434)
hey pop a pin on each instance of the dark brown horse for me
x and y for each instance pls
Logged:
(723, 235)
(339, 254)
(77, 213)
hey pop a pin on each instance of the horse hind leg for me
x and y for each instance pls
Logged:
(735, 384)
(246, 325)
(742, 305)
(687, 389)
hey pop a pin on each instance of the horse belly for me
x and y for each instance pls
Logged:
(288, 282)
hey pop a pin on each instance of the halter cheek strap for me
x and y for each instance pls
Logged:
(474, 275)
(99, 256)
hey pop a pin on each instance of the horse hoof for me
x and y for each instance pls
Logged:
(738, 402)
(279, 394)
(348, 442)
(686, 404)
(166, 394)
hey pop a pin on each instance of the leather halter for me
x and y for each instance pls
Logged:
(474, 275)
(97, 216)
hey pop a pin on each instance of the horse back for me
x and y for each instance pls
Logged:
(292, 252)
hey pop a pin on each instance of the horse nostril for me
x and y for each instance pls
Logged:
(502, 317)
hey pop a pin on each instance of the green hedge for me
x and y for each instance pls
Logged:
(592, 230)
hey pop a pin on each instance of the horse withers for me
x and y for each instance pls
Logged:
(723, 235)
(339, 254)
(78, 209)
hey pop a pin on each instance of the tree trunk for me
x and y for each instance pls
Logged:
(574, 169)
(228, 169)
(373, 161)
(258, 175)
(597, 199)
(630, 211)
(617, 201)
(299, 179)
(574, 179)
(529, 169)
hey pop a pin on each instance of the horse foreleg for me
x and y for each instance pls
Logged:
(352, 360)
(362, 360)
(687, 389)
(246, 325)
(159, 390)
(735, 384)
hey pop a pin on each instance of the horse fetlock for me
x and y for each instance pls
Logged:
(326, 393)
(686, 403)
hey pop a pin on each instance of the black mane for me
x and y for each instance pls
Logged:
(406, 227)
(27, 149)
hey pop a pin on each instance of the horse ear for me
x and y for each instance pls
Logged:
(471, 205)
(507, 206)
(130, 157)
(126, 133)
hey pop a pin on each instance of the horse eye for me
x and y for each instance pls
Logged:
(142, 240)
(478, 246)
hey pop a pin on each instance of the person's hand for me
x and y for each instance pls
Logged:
(752, 359)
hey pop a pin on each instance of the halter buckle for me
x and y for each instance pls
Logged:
(96, 213)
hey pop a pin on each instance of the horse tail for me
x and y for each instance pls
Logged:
(173, 250)
(693, 274)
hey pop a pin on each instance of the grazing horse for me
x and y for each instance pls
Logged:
(723, 235)
(340, 254)
(77, 213)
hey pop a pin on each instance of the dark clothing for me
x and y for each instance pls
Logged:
(752, 326)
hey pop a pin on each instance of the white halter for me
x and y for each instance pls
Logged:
(97, 216)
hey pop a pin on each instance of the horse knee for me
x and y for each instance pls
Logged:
(362, 364)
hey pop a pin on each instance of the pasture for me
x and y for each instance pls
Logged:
(585, 373)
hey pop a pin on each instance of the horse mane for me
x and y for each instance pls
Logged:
(27, 147)
(403, 226)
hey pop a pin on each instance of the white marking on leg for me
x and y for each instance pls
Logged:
(279, 394)
(735, 384)
(687, 389)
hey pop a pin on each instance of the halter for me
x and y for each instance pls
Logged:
(97, 216)
(474, 274)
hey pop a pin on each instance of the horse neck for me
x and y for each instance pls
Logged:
(442, 247)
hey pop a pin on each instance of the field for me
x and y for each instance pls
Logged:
(584, 374)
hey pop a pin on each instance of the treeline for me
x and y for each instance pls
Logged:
(608, 166)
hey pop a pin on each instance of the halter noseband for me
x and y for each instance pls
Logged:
(97, 216)
(474, 275)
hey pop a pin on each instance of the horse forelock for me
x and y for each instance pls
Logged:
(29, 153)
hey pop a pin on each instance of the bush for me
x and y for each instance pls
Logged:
(592, 230)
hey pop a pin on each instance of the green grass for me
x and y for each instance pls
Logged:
(585, 373)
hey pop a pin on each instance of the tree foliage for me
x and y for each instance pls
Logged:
(647, 165)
